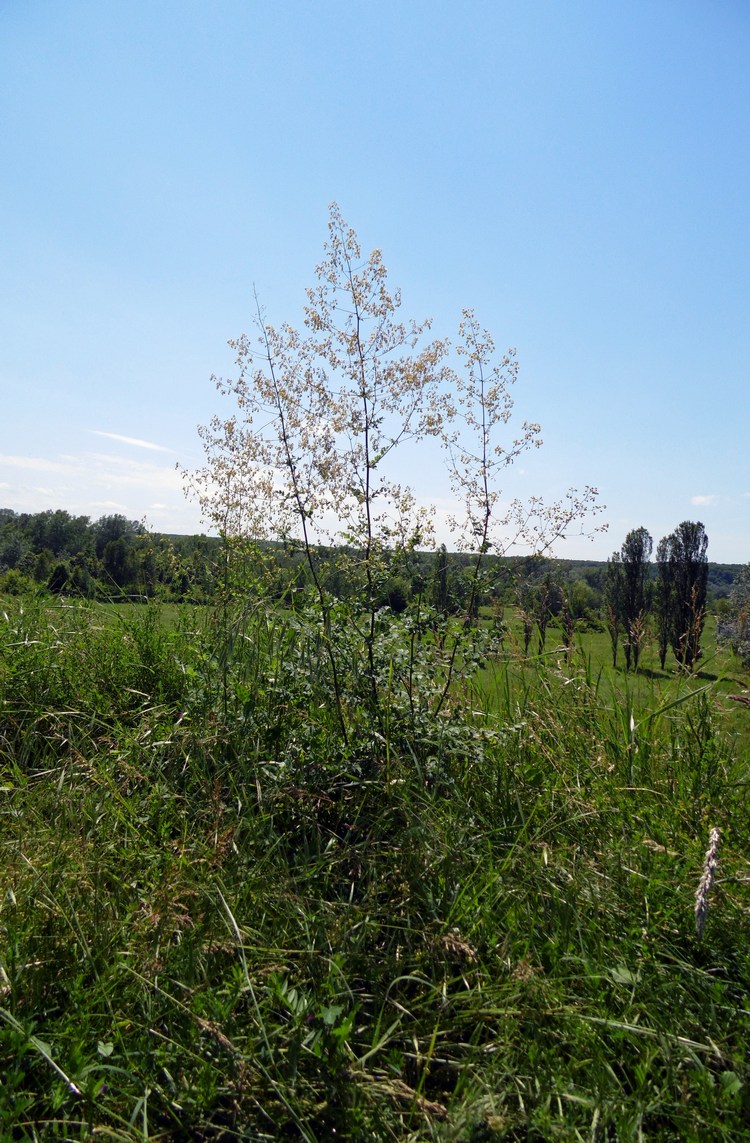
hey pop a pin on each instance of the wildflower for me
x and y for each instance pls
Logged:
(710, 862)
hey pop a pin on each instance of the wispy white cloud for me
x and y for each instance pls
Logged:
(102, 468)
(702, 501)
(108, 505)
(130, 441)
(96, 484)
(35, 463)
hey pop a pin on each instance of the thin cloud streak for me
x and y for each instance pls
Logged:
(130, 440)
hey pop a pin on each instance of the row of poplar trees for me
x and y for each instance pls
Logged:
(673, 590)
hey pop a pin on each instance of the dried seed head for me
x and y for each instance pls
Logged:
(710, 863)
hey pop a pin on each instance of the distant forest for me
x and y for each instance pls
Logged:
(117, 559)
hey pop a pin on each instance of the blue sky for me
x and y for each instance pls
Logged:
(577, 172)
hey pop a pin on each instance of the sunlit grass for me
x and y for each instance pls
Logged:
(215, 923)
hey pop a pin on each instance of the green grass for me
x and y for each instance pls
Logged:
(216, 922)
(646, 690)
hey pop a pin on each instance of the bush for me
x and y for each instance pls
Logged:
(734, 626)
(14, 582)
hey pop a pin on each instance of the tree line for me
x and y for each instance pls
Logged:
(630, 596)
(110, 558)
(673, 591)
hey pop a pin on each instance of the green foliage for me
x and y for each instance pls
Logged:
(14, 582)
(614, 590)
(217, 921)
(635, 555)
(735, 627)
(627, 595)
(663, 598)
(684, 570)
(111, 559)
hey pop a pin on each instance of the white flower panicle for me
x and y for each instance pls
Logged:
(320, 412)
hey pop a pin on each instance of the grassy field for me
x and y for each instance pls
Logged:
(219, 919)
(645, 691)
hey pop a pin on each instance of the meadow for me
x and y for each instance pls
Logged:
(470, 919)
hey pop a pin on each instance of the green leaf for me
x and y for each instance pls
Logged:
(621, 974)
(731, 1084)
(331, 1014)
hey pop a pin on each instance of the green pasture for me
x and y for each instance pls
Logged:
(720, 674)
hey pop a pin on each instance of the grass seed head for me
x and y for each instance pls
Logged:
(710, 863)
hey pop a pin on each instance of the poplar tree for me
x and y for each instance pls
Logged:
(613, 592)
(663, 598)
(688, 571)
(634, 556)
